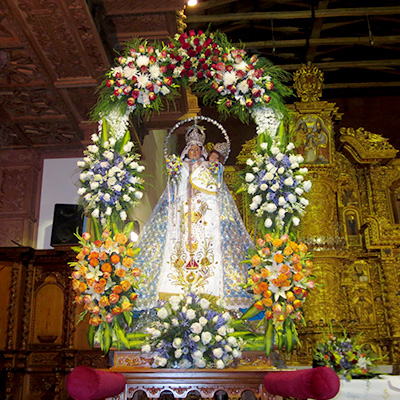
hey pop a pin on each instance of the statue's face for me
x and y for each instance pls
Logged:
(214, 157)
(194, 152)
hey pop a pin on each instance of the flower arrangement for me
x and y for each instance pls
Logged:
(174, 168)
(105, 282)
(235, 81)
(275, 185)
(110, 182)
(189, 332)
(345, 356)
(280, 280)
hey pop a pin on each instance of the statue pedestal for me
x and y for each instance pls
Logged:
(247, 376)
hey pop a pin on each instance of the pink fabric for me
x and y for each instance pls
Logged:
(317, 383)
(85, 383)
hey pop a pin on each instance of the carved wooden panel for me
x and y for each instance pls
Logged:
(11, 135)
(119, 7)
(5, 288)
(47, 133)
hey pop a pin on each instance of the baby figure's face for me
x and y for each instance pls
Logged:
(214, 157)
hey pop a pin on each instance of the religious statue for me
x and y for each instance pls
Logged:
(195, 238)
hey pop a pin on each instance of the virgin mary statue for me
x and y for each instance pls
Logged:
(195, 239)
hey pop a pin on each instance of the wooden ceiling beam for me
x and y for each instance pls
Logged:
(328, 13)
(348, 41)
(316, 31)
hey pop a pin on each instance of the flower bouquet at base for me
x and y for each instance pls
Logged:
(345, 356)
(190, 332)
(280, 280)
(105, 283)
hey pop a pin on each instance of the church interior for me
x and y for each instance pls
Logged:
(344, 64)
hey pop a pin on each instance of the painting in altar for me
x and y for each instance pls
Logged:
(311, 138)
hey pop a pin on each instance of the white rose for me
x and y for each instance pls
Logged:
(174, 300)
(81, 164)
(191, 314)
(94, 185)
(295, 165)
(160, 361)
(206, 337)
(299, 191)
(112, 141)
(292, 198)
(228, 348)
(271, 207)
(140, 168)
(123, 215)
(257, 199)
(185, 364)
(263, 187)
(226, 316)
(264, 145)
(270, 167)
(125, 197)
(249, 162)
(177, 343)
(281, 201)
(230, 330)
(146, 348)
(249, 177)
(162, 313)
(288, 181)
(95, 213)
(304, 201)
(222, 330)
(292, 158)
(178, 353)
(307, 186)
(215, 319)
(256, 169)
(108, 211)
(268, 223)
(197, 355)
(281, 170)
(83, 176)
(236, 353)
(166, 325)
(87, 196)
(203, 321)
(218, 338)
(196, 327)
(290, 146)
(98, 177)
(107, 197)
(296, 221)
(300, 159)
(189, 300)
(128, 147)
(279, 157)
(220, 364)
(174, 322)
(81, 191)
(134, 165)
(299, 178)
(253, 206)
(275, 187)
(93, 148)
(106, 143)
(268, 176)
(274, 150)
(303, 170)
(200, 363)
(204, 304)
(117, 188)
(252, 189)
(196, 338)
(111, 181)
(232, 340)
(218, 352)
(95, 138)
(281, 212)
(156, 333)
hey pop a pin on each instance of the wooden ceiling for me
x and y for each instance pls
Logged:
(54, 53)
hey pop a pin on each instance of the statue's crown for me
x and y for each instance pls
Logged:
(223, 149)
(195, 135)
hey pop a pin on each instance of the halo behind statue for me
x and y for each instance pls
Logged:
(195, 119)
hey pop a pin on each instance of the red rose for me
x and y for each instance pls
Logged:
(192, 33)
(256, 92)
(168, 80)
(229, 68)
(200, 74)
(207, 53)
(127, 89)
(185, 46)
(152, 59)
(142, 49)
(269, 85)
(171, 45)
(190, 73)
(187, 64)
(178, 58)
(266, 98)
(191, 53)
(132, 52)
(204, 67)
(249, 102)
(220, 66)
(228, 103)
(150, 50)
(163, 69)
(117, 92)
(249, 83)
(171, 67)
(131, 64)
(118, 75)
(143, 68)
(149, 86)
(209, 74)
(134, 79)
(152, 96)
(110, 82)
(135, 93)
(240, 74)
(214, 59)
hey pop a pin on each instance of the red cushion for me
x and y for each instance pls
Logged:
(85, 383)
(317, 383)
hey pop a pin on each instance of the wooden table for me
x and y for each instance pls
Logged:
(241, 381)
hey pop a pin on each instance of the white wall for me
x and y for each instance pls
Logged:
(58, 186)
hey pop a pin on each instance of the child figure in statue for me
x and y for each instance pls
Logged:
(195, 238)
